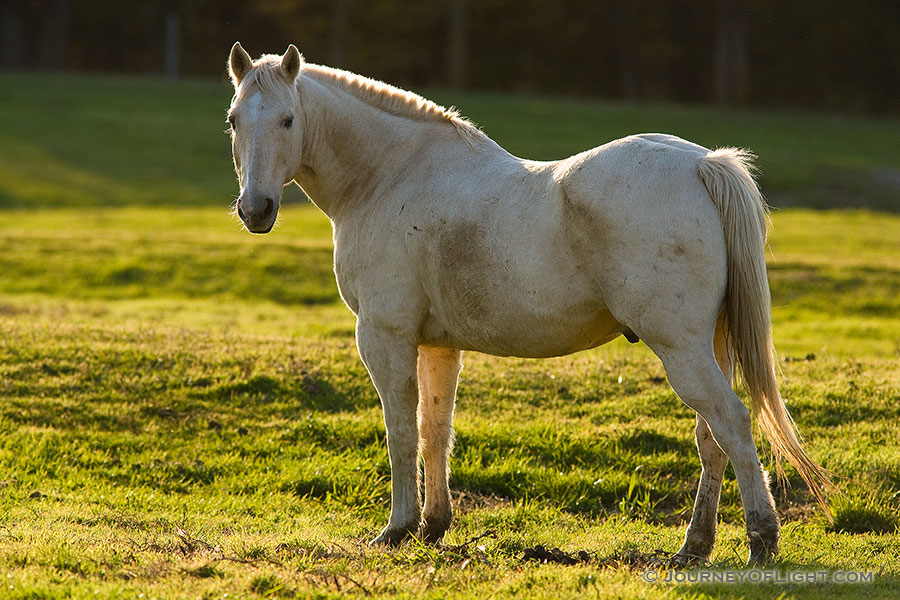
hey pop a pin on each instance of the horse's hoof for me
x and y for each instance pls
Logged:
(761, 552)
(432, 537)
(759, 558)
(681, 560)
(392, 536)
(763, 545)
(433, 530)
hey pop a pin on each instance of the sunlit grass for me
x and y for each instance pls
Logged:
(206, 427)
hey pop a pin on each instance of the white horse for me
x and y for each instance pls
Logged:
(445, 242)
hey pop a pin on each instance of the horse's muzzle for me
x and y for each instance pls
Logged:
(258, 216)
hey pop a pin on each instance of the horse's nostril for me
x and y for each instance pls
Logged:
(240, 212)
(270, 206)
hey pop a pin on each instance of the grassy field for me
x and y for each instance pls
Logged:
(95, 141)
(184, 413)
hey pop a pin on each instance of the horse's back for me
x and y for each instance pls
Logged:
(641, 163)
(638, 187)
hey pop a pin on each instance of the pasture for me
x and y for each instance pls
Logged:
(184, 413)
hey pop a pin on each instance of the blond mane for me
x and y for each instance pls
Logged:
(393, 100)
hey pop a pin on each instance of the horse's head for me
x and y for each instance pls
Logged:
(265, 132)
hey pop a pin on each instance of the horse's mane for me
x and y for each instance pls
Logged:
(378, 94)
(392, 99)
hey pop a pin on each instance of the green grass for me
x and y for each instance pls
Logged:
(197, 429)
(184, 414)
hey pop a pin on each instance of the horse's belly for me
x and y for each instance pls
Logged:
(525, 333)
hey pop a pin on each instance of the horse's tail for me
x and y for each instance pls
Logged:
(727, 174)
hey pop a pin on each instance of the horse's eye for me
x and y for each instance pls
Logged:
(231, 121)
(288, 122)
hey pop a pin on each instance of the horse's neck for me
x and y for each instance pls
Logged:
(350, 147)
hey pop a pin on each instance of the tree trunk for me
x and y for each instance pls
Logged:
(12, 35)
(340, 12)
(730, 54)
(456, 44)
(53, 36)
(623, 17)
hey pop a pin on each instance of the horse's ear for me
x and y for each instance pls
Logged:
(291, 62)
(238, 63)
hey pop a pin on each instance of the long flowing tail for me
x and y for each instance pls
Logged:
(727, 174)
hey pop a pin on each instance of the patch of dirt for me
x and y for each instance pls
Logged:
(468, 501)
(636, 560)
(632, 559)
(808, 358)
(797, 508)
(555, 555)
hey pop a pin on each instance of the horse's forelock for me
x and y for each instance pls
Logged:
(265, 76)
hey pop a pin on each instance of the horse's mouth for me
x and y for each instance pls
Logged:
(259, 228)
(262, 231)
(256, 228)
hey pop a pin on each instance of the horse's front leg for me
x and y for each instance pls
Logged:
(438, 375)
(390, 358)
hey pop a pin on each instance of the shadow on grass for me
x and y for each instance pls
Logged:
(642, 441)
(833, 290)
(110, 389)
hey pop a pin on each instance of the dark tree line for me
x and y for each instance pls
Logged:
(825, 54)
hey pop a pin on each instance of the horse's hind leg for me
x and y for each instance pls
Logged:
(438, 373)
(701, 533)
(696, 378)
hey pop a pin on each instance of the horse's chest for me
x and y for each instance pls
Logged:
(374, 276)
(345, 270)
